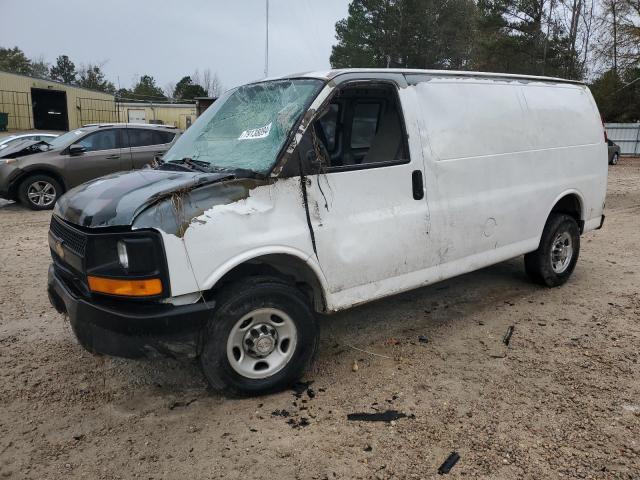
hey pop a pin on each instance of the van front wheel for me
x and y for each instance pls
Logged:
(261, 338)
(553, 262)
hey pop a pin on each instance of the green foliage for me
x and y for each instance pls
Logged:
(491, 35)
(93, 78)
(186, 89)
(147, 88)
(406, 33)
(14, 60)
(64, 70)
(618, 98)
(39, 67)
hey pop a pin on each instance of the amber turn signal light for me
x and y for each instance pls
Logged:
(129, 288)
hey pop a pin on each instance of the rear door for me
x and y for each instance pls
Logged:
(146, 143)
(103, 155)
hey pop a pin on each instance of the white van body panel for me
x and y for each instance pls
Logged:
(496, 154)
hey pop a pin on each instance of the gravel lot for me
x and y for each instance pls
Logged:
(563, 399)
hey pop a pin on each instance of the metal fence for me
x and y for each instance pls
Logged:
(94, 110)
(18, 106)
(627, 135)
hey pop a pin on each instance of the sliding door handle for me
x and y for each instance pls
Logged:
(418, 185)
(112, 157)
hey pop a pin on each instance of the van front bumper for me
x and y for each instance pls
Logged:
(130, 329)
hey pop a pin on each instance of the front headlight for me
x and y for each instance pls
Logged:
(123, 257)
(127, 264)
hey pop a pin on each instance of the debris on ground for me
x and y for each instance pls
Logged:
(507, 336)
(302, 422)
(180, 403)
(423, 339)
(392, 341)
(300, 387)
(449, 463)
(280, 413)
(354, 367)
(386, 416)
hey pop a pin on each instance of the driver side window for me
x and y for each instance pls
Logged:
(101, 140)
(361, 128)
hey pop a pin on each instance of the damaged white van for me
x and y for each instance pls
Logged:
(318, 192)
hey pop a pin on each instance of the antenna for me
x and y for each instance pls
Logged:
(266, 45)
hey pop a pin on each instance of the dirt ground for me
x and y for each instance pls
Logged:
(562, 400)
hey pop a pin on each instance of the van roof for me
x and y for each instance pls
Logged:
(329, 74)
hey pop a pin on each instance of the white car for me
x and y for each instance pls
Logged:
(13, 139)
(318, 192)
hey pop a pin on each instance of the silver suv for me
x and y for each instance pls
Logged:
(36, 173)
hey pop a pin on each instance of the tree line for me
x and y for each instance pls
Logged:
(597, 41)
(91, 76)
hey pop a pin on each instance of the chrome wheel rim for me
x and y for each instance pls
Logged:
(41, 193)
(561, 252)
(261, 343)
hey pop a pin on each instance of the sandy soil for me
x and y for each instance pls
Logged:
(563, 399)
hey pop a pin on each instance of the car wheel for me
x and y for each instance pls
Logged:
(39, 192)
(614, 159)
(261, 338)
(553, 262)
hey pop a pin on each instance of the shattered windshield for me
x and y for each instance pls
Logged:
(247, 126)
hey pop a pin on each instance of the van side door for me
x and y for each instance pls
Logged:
(484, 177)
(366, 203)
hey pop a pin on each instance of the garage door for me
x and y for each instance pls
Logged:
(136, 116)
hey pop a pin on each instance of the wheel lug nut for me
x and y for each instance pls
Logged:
(254, 333)
(249, 342)
(264, 329)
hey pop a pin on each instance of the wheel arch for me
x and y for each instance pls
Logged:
(570, 202)
(290, 264)
(16, 182)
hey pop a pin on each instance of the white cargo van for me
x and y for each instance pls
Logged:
(317, 192)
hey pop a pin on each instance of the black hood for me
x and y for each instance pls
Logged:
(117, 199)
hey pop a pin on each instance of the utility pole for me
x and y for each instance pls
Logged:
(615, 38)
(266, 45)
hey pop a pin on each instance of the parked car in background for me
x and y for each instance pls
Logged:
(13, 139)
(614, 152)
(37, 172)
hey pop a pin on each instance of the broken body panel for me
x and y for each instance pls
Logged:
(497, 153)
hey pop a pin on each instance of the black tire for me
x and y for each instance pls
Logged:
(538, 264)
(614, 159)
(235, 302)
(46, 203)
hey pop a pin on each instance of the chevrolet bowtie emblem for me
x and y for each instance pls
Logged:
(59, 249)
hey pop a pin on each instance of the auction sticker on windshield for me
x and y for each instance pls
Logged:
(262, 132)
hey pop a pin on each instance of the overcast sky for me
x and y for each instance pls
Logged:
(171, 39)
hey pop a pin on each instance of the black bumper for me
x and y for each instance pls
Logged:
(129, 329)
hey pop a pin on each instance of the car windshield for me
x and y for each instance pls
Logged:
(247, 127)
(66, 138)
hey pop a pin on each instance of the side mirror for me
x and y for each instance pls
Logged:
(76, 149)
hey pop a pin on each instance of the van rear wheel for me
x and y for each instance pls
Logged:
(261, 338)
(553, 262)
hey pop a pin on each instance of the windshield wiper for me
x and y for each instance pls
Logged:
(238, 172)
(192, 164)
